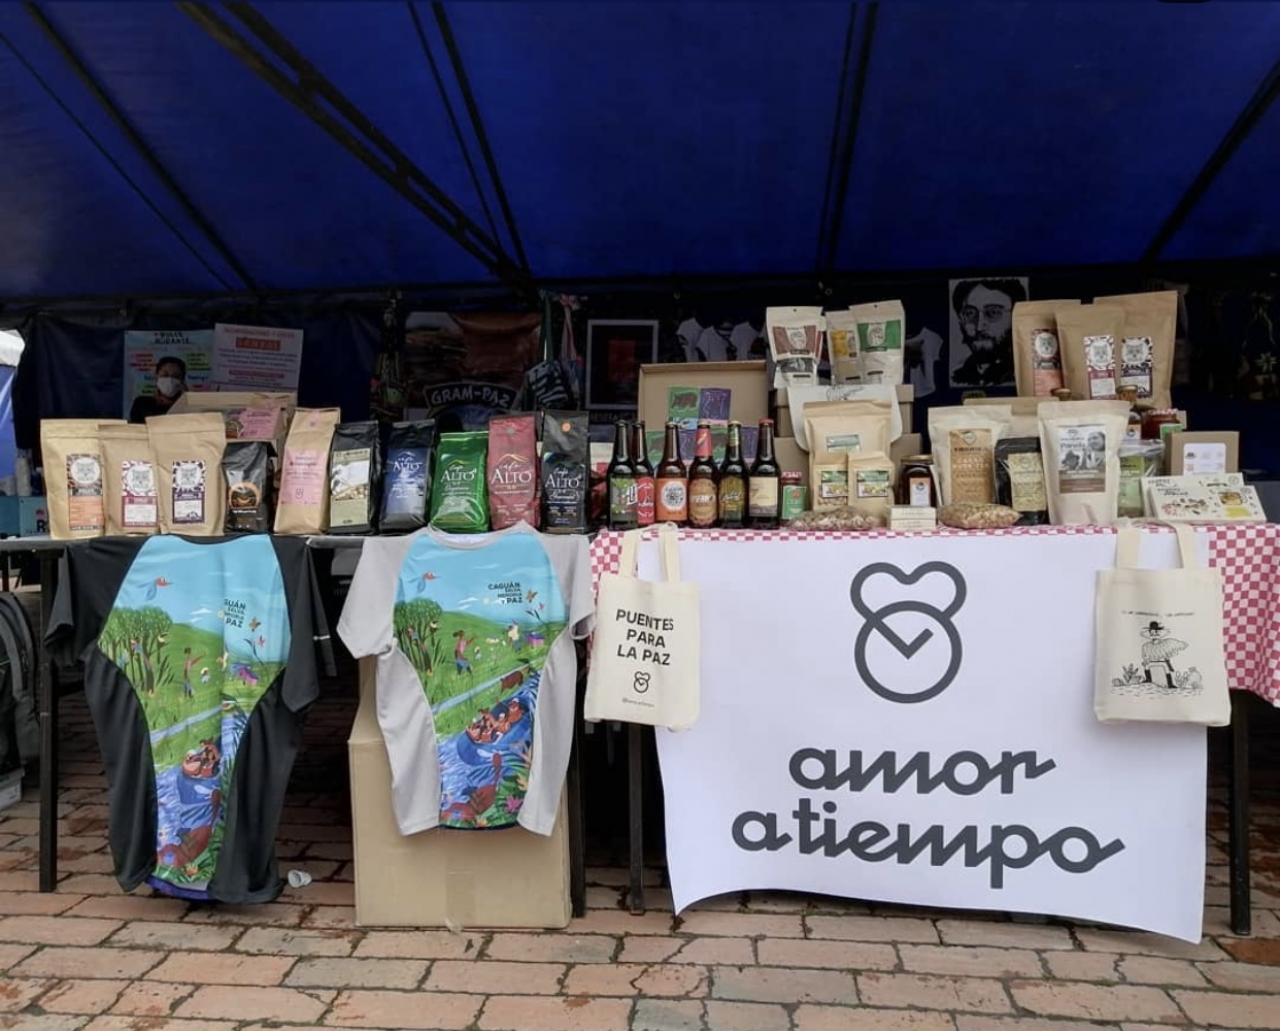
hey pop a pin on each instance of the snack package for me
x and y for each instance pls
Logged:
(1145, 351)
(188, 453)
(72, 455)
(871, 484)
(801, 401)
(1020, 479)
(1139, 459)
(1037, 354)
(303, 503)
(247, 473)
(968, 515)
(1082, 462)
(355, 468)
(513, 470)
(880, 330)
(963, 440)
(564, 472)
(459, 500)
(130, 482)
(838, 427)
(1090, 335)
(842, 347)
(795, 343)
(836, 520)
(406, 488)
(830, 479)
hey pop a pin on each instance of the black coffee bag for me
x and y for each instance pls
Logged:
(355, 465)
(246, 470)
(564, 472)
(406, 487)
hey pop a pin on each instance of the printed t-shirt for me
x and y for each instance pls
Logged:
(476, 670)
(199, 662)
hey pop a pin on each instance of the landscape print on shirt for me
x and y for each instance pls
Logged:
(477, 625)
(201, 631)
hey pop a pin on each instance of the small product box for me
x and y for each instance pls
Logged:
(23, 517)
(795, 501)
(912, 517)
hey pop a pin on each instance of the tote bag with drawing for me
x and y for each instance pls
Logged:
(646, 652)
(1160, 651)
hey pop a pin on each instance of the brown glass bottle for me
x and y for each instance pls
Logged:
(764, 498)
(704, 499)
(671, 504)
(644, 476)
(733, 482)
(620, 481)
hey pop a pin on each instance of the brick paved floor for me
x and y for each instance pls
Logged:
(91, 958)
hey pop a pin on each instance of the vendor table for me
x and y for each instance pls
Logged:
(1249, 558)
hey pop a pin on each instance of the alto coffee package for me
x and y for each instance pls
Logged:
(1037, 353)
(129, 480)
(564, 472)
(188, 450)
(303, 504)
(355, 465)
(406, 488)
(72, 457)
(246, 470)
(513, 470)
(459, 498)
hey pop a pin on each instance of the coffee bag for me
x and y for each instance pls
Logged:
(1081, 448)
(881, 330)
(842, 347)
(564, 472)
(963, 440)
(871, 483)
(1020, 479)
(459, 500)
(130, 481)
(513, 470)
(246, 471)
(355, 467)
(188, 450)
(1145, 351)
(406, 489)
(795, 337)
(839, 427)
(303, 504)
(73, 482)
(1089, 335)
(1037, 354)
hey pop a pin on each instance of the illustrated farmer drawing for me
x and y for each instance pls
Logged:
(1158, 650)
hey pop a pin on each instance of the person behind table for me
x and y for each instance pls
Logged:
(984, 310)
(171, 384)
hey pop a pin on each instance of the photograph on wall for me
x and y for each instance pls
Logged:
(982, 330)
(616, 348)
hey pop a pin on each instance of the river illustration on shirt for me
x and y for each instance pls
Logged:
(477, 625)
(201, 632)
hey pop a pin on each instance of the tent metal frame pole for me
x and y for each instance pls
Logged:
(1263, 97)
(477, 126)
(833, 148)
(138, 143)
(310, 91)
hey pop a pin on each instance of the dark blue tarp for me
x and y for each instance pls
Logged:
(633, 139)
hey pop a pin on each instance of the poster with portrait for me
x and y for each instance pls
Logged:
(186, 353)
(981, 315)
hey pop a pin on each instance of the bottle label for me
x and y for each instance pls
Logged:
(622, 501)
(762, 500)
(703, 503)
(672, 501)
(645, 500)
(733, 499)
(920, 492)
(702, 443)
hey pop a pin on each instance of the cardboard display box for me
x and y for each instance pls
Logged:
(1204, 452)
(792, 459)
(782, 409)
(748, 404)
(445, 878)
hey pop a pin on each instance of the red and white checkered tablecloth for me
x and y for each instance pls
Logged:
(1248, 555)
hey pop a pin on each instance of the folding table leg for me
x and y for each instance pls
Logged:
(1238, 815)
(48, 730)
(577, 830)
(635, 812)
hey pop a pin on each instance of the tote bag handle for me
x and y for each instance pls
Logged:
(667, 549)
(1129, 542)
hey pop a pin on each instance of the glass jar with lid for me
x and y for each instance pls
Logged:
(916, 486)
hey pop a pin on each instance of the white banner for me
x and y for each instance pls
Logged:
(256, 358)
(911, 720)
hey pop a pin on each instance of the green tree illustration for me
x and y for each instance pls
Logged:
(139, 636)
(422, 617)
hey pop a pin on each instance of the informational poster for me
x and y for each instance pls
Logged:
(256, 358)
(145, 348)
(918, 727)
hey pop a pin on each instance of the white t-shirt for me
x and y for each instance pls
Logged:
(477, 674)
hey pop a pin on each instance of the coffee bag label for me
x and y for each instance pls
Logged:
(302, 482)
(972, 466)
(188, 491)
(1136, 363)
(406, 484)
(1026, 481)
(1100, 360)
(139, 495)
(349, 487)
(85, 510)
(871, 484)
(1082, 460)
(1046, 362)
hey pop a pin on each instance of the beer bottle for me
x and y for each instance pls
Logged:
(733, 482)
(672, 488)
(764, 498)
(644, 476)
(621, 482)
(704, 500)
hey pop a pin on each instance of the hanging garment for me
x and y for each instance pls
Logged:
(199, 665)
(477, 674)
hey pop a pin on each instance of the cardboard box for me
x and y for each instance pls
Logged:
(23, 517)
(791, 459)
(1203, 452)
(445, 878)
(782, 409)
(748, 404)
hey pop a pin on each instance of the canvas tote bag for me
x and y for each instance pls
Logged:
(1160, 650)
(645, 659)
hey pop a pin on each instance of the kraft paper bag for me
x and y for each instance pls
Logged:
(1160, 651)
(645, 659)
